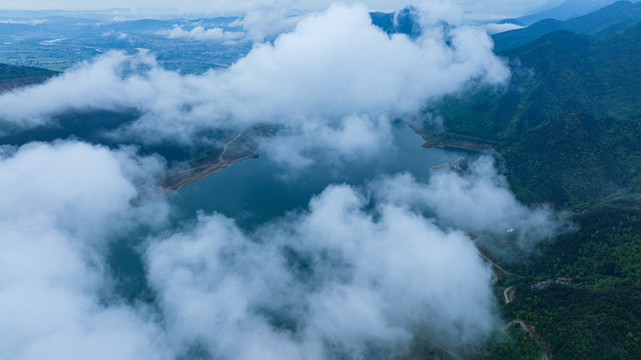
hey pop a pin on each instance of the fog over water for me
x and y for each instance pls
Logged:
(257, 190)
(336, 243)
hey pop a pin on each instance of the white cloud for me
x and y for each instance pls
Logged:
(201, 34)
(498, 28)
(61, 204)
(32, 22)
(334, 68)
(480, 203)
(269, 18)
(329, 279)
(357, 272)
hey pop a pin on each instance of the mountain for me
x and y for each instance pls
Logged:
(12, 77)
(567, 10)
(603, 22)
(566, 132)
(561, 123)
(510, 21)
(403, 22)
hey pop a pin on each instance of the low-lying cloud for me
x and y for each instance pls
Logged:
(333, 67)
(479, 203)
(499, 28)
(325, 283)
(32, 22)
(61, 205)
(352, 275)
(358, 273)
(201, 34)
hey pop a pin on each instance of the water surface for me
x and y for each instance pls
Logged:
(256, 190)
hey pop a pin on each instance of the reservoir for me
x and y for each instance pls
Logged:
(257, 190)
(254, 191)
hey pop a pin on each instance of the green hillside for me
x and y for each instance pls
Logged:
(15, 76)
(600, 23)
(567, 130)
(570, 110)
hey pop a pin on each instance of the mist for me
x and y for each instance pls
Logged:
(480, 203)
(321, 282)
(357, 272)
(200, 33)
(311, 80)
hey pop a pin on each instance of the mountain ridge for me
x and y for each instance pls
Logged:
(600, 23)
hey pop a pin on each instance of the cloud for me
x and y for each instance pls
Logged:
(498, 28)
(479, 202)
(357, 273)
(313, 75)
(486, 9)
(32, 22)
(62, 204)
(319, 283)
(267, 19)
(201, 34)
(328, 282)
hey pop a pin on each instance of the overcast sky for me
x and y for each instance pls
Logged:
(484, 8)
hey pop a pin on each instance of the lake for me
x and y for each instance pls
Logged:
(256, 190)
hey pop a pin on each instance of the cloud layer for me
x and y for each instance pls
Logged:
(478, 9)
(202, 34)
(322, 284)
(479, 203)
(62, 204)
(314, 79)
(356, 273)
(331, 280)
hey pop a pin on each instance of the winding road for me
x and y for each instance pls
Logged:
(506, 295)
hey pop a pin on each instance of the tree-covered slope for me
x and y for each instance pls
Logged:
(568, 120)
(402, 22)
(568, 130)
(597, 315)
(15, 76)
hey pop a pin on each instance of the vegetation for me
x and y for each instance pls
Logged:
(516, 345)
(10, 72)
(598, 315)
(567, 130)
(15, 76)
(568, 121)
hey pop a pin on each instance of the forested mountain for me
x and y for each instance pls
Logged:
(15, 76)
(600, 23)
(570, 108)
(566, 130)
(403, 22)
(566, 10)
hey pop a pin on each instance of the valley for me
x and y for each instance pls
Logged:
(260, 204)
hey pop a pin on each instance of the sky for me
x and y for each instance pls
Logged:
(476, 9)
